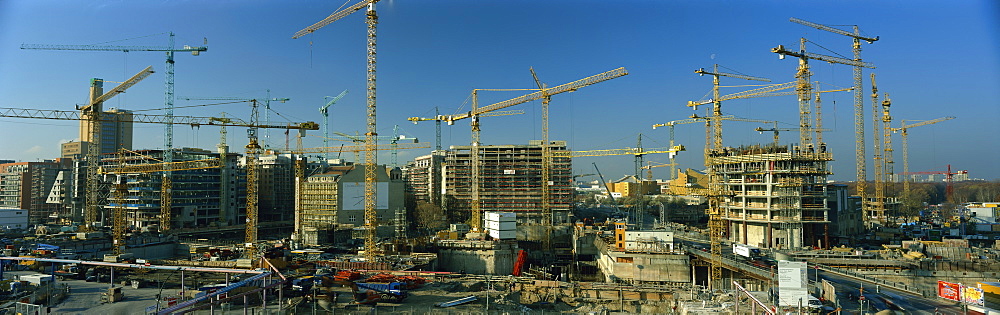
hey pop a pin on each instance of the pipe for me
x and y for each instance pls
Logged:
(139, 266)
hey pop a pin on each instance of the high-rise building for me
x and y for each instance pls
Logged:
(115, 131)
(776, 195)
(276, 193)
(197, 197)
(423, 177)
(26, 185)
(511, 179)
(114, 127)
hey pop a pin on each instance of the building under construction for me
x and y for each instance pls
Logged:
(198, 200)
(334, 200)
(511, 179)
(775, 196)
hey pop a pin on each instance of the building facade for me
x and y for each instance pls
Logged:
(334, 199)
(198, 199)
(774, 196)
(511, 179)
(26, 185)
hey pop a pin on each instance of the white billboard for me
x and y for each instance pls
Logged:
(793, 296)
(792, 274)
(354, 196)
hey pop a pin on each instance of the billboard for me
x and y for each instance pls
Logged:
(792, 274)
(354, 195)
(972, 295)
(948, 290)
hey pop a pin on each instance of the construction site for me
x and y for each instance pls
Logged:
(803, 215)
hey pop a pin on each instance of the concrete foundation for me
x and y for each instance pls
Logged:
(477, 257)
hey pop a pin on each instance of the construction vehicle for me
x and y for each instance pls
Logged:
(372, 293)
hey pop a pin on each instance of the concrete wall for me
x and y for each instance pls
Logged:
(645, 267)
(477, 261)
(159, 251)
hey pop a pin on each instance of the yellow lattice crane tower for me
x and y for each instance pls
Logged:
(93, 118)
(859, 106)
(371, 156)
(477, 111)
(716, 225)
(877, 209)
(803, 65)
(887, 154)
(671, 124)
(300, 170)
(903, 129)
(91, 115)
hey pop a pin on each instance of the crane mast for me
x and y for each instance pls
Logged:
(887, 169)
(859, 106)
(324, 110)
(478, 111)
(371, 157)
(877, 209)
(904, 128)
(716, 224)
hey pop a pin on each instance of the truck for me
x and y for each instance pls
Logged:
(746, 251)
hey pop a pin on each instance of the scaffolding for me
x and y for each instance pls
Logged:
(775, 196)
(511, 179)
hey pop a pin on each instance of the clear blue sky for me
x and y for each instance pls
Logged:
(934, 58)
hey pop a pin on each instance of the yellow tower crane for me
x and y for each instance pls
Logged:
(650, 166)
(904, 130)
(300, 177)
(93, 117)
(887, 155)
(859, 113)
(477, 111)
(802, 71)
(371, 156)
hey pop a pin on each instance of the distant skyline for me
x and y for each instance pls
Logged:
(933, 58)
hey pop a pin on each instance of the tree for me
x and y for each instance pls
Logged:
(429, 216)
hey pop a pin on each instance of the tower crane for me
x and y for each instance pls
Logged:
(859, 114)
(326, 120)
(394, 139)
(949, 190)
(859, 123)
(649, 168)
(91, 114)
(671, 124)
(371, 158)
(168, 99)
(904, 128)
(713, 142)
(477, 111)
(297, 234)
(887, 155)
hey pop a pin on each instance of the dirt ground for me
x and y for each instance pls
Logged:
(422, 300)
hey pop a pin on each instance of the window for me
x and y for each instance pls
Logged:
(627, 260)
(352, 219)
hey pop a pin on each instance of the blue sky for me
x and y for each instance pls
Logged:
(934, 58)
